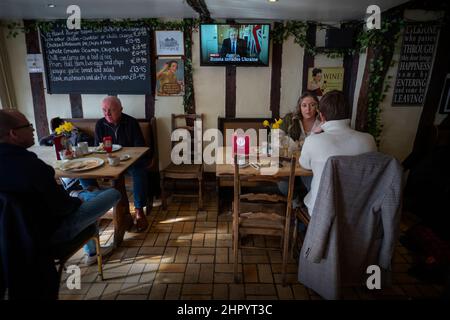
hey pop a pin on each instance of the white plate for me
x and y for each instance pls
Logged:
(81, 164)
(115, 147)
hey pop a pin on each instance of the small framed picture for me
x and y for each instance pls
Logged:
(444, 103)
(170, 76)
(169, 43)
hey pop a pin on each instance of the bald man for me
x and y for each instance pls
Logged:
(22, 172)
(125, 131)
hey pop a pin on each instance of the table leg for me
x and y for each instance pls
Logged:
(122, 217)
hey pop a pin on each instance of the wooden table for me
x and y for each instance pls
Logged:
(225, 170)
(121, 212)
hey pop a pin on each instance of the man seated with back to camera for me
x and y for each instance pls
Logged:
(125, 131)
(22, 172)
(337, 139)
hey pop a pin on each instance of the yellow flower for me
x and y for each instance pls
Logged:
(276, 125)
(59, 130)
(279, 121)
(266, 123)
(68, 126)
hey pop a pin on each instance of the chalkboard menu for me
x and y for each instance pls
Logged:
(110, 60)
(416, 60)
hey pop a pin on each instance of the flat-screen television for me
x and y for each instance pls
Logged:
(234, 44)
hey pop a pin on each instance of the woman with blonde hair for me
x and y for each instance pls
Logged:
(304, 120)
(298, 125)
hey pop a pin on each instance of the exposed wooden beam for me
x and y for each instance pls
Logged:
(188, 79)
(275, 88)
(150, 98)
(37, 83)
(351, 64)
(201, 8)
(308, 59)
(230, 87)
(441, 67)
(76, 105)
(363, 99)
(230, 92)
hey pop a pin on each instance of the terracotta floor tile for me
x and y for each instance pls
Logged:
(250, 273)
(192, 273)
(200, 289)
(300, 292)
(111, 291)
(131, 297)
(265, 273)
(173, 292)
(135, 289)
(95, 291)
(221, 255)
(220, 292)
(224, 277)
(237, 291)
(163, 277)
(260, 289)
(197, 240)
(172, 267)
(169, 255)
(206, 273)
(203, 251)
(182, 255)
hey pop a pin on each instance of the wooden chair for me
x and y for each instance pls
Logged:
(302, 215)
(260, 214)
(185, 171)
(64, 251)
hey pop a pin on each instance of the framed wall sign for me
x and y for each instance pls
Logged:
(416, 61)
(324, 79)
(169, 43)
(444, 102)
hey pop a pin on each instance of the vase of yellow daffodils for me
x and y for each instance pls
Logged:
(63, 147)
(273, 134)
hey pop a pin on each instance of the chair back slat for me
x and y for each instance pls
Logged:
(188, 125)
(265, 222)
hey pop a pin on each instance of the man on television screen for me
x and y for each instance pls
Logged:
(233, 47)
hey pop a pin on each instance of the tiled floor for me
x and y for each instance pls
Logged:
(186, 254)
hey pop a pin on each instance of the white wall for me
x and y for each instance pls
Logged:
(291, 75)
(16, 50)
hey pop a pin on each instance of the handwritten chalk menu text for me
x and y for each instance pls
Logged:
(416, 60)
(110, 60)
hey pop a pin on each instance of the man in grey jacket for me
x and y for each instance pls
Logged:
(354, 203)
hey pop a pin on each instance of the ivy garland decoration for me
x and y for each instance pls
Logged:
(383, 39)
(382, 42)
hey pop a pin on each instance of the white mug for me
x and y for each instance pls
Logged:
(113, 161)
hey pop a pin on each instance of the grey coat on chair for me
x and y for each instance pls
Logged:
(355, 223)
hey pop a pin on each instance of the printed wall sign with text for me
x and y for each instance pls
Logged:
(416, 61)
